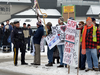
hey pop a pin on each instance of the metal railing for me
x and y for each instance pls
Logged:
(77, 2)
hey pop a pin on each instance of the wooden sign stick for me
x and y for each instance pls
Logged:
(79, 54)
(68, 69)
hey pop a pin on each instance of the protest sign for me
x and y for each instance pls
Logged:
(72, 48)
(72, 44)
(58, 34)
(52, 40)
(60, 31)
(71, 24)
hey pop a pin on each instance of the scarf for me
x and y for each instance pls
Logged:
(83, 38)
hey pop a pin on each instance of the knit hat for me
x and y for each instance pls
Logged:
(88, 18)
(71, 18)
(49, 24)
(93, 19)
(39, 24)
(61, 19)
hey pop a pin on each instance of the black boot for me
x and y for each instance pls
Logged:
(24, 63)
(49, 64)
(60, 66)
(58, 60)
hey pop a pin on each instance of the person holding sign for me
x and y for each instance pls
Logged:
(50, 51)
(90, 40)
(61, 44)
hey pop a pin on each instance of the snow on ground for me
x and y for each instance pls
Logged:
(42, 70)
(38, 70)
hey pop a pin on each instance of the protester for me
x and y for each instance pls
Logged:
(98, 46)
(18, 41)
(56, 55)
(82, 59)
(61, 45)
(89, 44)
(26, 33)
(94, 22)
(7, 29)
(1, 34)
(37, 38)
(30, 34)
(49, 51)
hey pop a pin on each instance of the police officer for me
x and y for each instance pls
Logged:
(18, 41)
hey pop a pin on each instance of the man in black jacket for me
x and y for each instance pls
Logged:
(18, 41)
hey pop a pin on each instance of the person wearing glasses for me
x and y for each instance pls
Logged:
(82, 59)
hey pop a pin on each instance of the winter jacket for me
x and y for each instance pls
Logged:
(38, 35)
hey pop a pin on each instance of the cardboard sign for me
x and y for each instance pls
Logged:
(72, 49)
(71, 24)
(72, 44)
(68, 9)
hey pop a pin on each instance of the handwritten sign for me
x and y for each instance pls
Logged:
(72, 44)
(60, 30)
(70, 32)
(71, 24)
(72, 49)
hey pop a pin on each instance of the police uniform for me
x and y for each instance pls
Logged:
(18, 41)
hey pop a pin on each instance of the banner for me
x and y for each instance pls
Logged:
(72, 44)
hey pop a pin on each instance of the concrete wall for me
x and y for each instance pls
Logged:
(14, 9)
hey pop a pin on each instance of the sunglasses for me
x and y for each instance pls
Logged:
(79, 24)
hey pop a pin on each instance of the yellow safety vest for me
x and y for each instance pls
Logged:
(94, 34)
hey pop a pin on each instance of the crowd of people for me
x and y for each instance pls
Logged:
(89, 44)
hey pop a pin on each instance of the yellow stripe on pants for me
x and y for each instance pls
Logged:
(14, 55)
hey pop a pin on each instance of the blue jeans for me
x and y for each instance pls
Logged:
(92, 53)
(82, 59)
(61, 52)
(50, 55)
